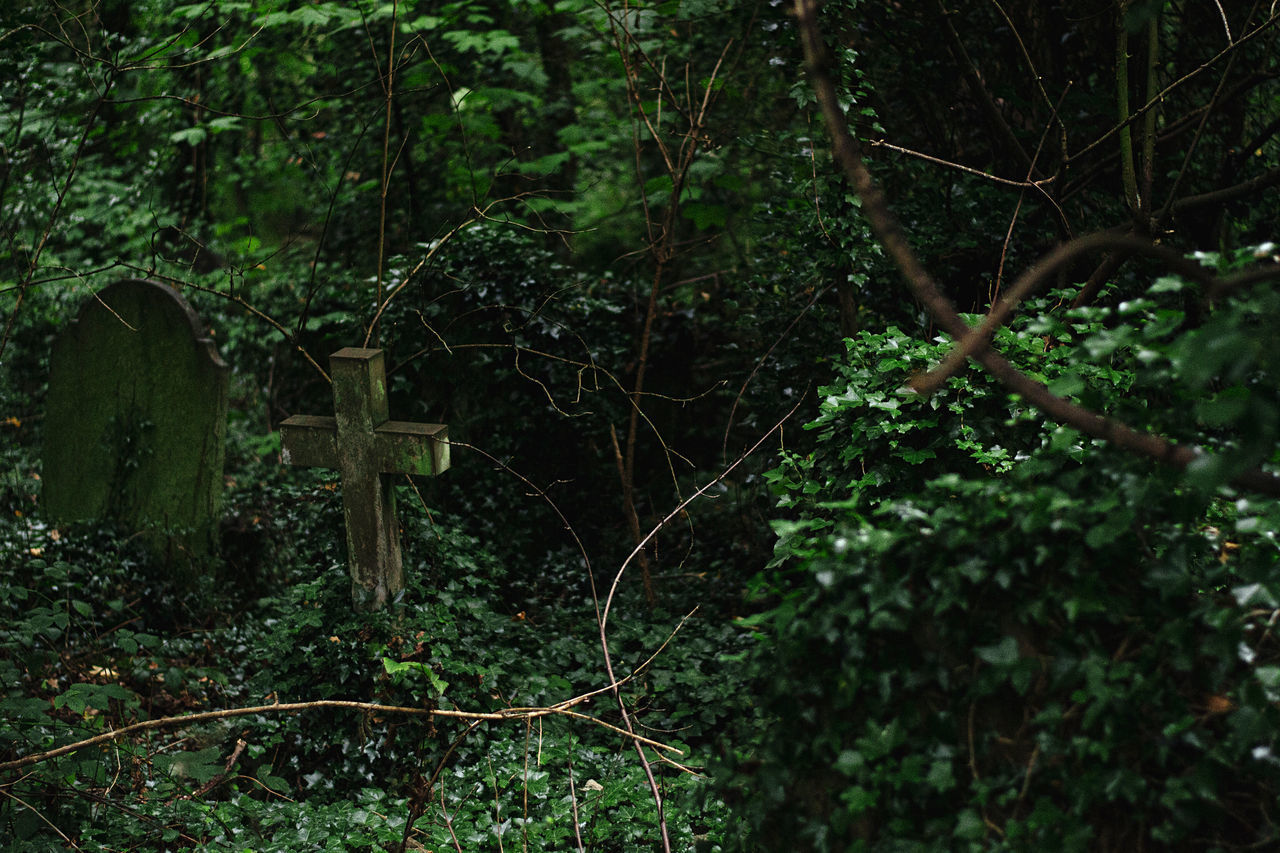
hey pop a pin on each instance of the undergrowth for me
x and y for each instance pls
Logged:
(97, 635)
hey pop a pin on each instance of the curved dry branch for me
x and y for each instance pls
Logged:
(1266, 180)
(617, 579)
(675, 513)
(562, 708)
(979, 337)
(926, 290)
(920, 155)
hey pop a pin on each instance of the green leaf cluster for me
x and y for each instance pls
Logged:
(985, 631)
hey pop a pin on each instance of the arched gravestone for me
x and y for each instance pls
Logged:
(136, 420)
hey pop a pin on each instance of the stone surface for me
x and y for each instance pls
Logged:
(367, 448)
(136, 418)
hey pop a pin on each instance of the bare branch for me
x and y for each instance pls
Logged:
(925, 288)
(561, 708)
(1039, 185)
(973, 79)
(1266, 180)
(33, 263)
(617, 578)
(980, 336)
(1157, 98)
(37, 813)
(1226, 26)
(1245, 278)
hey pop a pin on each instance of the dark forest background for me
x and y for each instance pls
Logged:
(667, 270)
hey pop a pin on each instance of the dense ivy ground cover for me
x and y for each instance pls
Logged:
(1000, 634)
(97, 636)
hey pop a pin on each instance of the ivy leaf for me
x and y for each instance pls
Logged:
(1003, 653)
(189, 135)
(1067, 384)
(705, 216)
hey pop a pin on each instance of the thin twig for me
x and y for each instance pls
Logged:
(926, 289)
(976, 85)
(573, 804)
(448, 822)
(617, 578)
(980, 336)
(1031, 66)
(1226, 26)
(1149, 121)
(266, 318)
(476, 214)
(1040, 184)
(34, 262)
(817, 294)
(37, 813)
(562, 708)
(524, 825)
(387, 166)
(1128, 176)
(241, 743)
(497, 804)
(1008, 237)
(1195, 143)
(1181, 81)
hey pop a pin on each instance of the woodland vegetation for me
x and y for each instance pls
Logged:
(865, 424)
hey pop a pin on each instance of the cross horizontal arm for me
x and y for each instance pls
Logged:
(401, 447)
(310, 441)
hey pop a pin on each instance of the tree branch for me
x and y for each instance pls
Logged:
(1028, 184)
(973, 79)
(979, 337)
(926, 290)
(1156, 99)
(1266, 180)
(561, 708)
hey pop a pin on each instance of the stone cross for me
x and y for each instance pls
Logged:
(135, 421)
(367, 448)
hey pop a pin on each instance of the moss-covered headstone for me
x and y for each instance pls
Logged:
(366, 447)
(136, 420)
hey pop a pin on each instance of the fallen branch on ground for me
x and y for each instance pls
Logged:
(562, 708)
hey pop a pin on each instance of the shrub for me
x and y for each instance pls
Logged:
(992, 633)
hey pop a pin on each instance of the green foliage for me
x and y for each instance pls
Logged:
(78, 654)
(979, 630)
(989, 632)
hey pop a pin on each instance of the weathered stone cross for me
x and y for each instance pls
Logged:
(367, 448)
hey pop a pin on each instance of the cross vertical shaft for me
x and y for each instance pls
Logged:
(368, 499)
